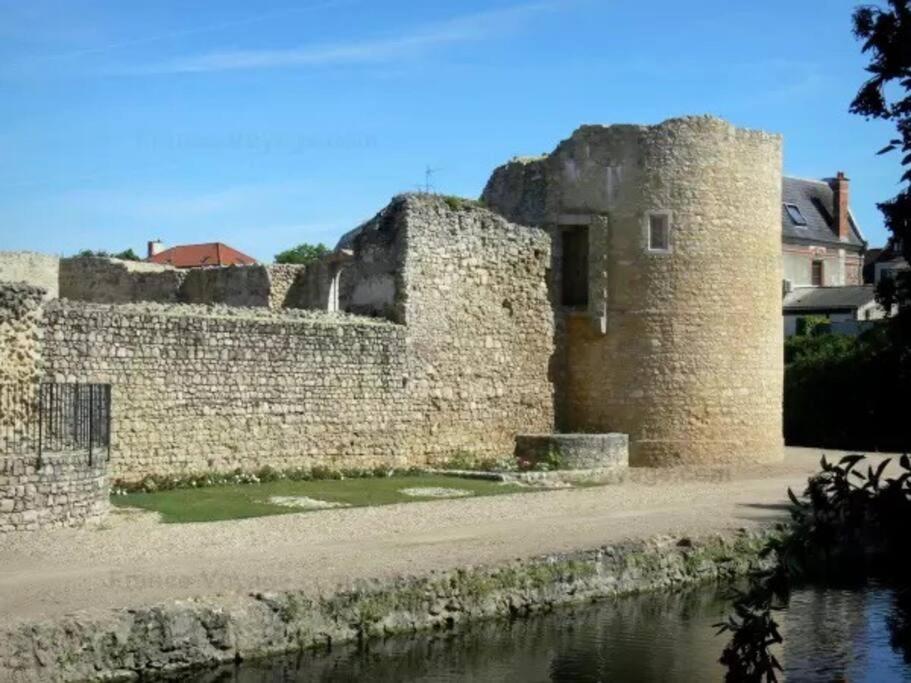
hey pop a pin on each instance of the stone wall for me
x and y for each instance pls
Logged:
(39, 270)
(197, 388)
(20, 358)
(20, 333)
(243, 286)
(109, 280)
(679, 348)
(285, 281)
(65, 490)
(472, 292)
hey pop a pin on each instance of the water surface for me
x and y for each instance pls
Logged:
(830, 635)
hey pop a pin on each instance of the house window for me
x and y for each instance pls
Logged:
(816, 274)
(795, 215)
(574, 269)
(659, 232)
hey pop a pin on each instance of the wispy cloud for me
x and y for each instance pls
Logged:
(169, 206)
(467, 28)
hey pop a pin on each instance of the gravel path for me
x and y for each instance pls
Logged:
(133, 560)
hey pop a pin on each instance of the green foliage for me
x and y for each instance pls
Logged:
(845, 392)
(886, 95)
(125, 255)
(467, 460)
(457, 203)
(848, 525)
(813, 325)
(193, 480)
(302, 254)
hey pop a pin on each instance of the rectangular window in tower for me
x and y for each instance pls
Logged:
(816, 274)
(574, 271)
(659, 232)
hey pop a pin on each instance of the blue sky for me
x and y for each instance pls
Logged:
(271, 123)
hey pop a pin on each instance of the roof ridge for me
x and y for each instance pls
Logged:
(807, 180)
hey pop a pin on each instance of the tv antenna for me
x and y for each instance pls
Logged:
(428, 178)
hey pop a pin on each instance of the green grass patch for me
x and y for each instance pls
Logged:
(242, 501)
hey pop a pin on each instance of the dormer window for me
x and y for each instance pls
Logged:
(795, 215)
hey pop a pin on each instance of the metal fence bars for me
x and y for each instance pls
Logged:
(45, 418)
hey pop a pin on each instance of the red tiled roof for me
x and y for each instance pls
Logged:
(196, 255)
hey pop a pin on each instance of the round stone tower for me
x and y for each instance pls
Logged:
(666, 283)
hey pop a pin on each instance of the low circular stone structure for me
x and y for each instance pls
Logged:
(574, 451)
(65, 491)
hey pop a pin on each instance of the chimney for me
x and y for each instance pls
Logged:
(840, 201)
(155, 247)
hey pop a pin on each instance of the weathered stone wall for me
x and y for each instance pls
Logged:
(681, 349)
(109, 280)
(285, 281)
(20, 333)
(20, 358)
(198, 388)
(64, 491)
(243, 286)
(39, 270)
(472, 293)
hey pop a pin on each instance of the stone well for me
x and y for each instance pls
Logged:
(575, 451)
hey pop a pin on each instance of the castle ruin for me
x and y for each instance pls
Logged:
(627, 282)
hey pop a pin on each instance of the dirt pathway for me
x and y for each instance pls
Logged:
(133, 560)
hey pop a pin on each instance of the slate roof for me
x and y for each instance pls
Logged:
(197, 255)
(849, 298)
(815, 199)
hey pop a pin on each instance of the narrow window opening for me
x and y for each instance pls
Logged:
(575, 266)
(817, 274)
(659, 232)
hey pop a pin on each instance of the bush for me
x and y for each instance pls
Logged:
(844, 392)
(302, 254)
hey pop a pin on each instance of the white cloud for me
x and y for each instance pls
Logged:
(462, 29)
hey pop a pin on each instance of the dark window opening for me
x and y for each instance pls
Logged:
(795, 215)
(816, 274)
(575, 266)
(659, 232)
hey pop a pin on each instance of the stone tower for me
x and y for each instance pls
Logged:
(666, 280)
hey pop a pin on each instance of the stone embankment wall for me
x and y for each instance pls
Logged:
(38, 270)
(678, 347)
(197, 388)
(180, 636)
(64, 489)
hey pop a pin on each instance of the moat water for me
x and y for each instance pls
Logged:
(830, 635)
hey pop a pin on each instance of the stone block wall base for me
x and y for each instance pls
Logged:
(574, 451)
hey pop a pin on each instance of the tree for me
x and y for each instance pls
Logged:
(302, 254)
(125, 255)
(886, 95)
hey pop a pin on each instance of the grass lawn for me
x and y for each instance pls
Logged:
(253, 500)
